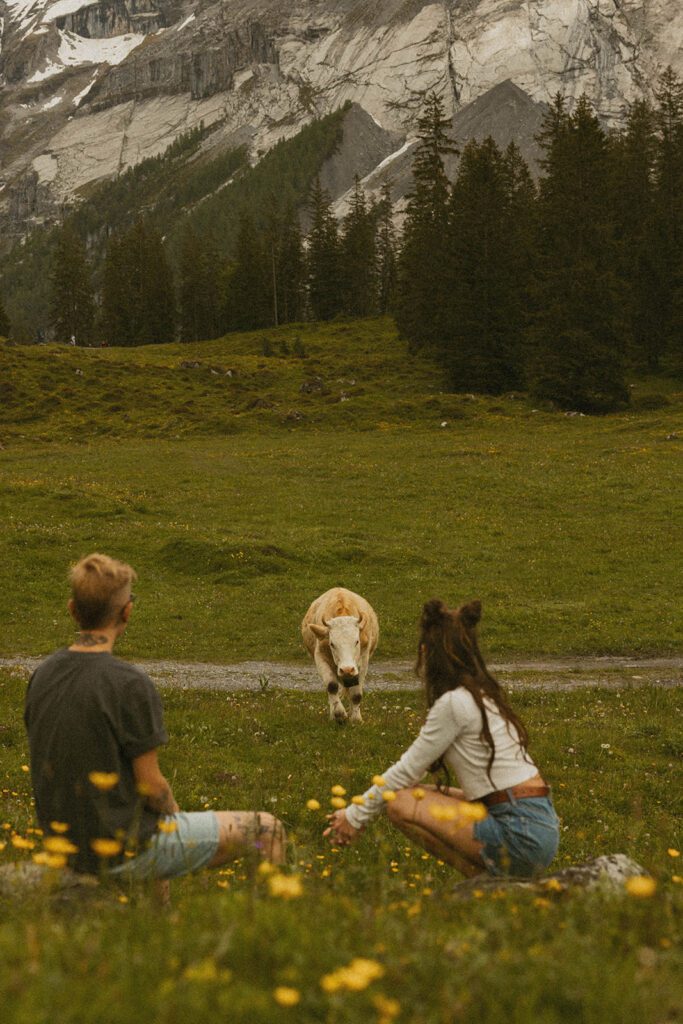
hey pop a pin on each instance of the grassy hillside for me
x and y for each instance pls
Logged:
(239, 497)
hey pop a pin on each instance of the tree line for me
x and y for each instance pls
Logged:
(555, 286)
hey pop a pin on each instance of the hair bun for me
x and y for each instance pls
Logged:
(433, 613)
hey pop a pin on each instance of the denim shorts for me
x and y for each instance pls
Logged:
(180, 851)
(520, 837)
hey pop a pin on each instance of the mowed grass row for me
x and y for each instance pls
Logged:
(228, 943)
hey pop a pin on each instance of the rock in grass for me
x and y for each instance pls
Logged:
(20, 880)
(609, 871)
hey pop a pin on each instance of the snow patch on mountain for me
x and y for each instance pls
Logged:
(76, 50)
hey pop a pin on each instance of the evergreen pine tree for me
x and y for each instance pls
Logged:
(72, 306)
(250, 288)
(421, 295)
(633, 154)
(668, 209)
(200, 288)
(577, 334)
(358, 256)
(291, 276)
(386, 251)
(138, 294)
(5, 327)
(323, 258)
(486, 285)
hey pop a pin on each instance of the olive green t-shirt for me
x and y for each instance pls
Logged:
(87, 712)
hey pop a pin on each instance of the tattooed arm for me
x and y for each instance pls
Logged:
(152, 784)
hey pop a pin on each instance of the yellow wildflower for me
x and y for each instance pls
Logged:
(122, 898)
(419, 793)
(25, 768)
(338, 802)
(105, 847)
(167, 826)
(338, 791)
(22, 844)
(205, 970)
(359, 800)
(286, 996)
(542, 902)
(313, 805)
(103, 780)
(473, 811)
(58, 844)
(444, 812)
(386, 1008)
(640, 886)
(59, 826)
(389, 796)
(286, 887)
(677, 879)
(49, 860)
(673, 853)
(553, 884)
(378, 780)
(355, 976)
(266, 868)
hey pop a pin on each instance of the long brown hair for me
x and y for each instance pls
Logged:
(448, 656)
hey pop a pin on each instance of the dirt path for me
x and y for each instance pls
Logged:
(559, 674)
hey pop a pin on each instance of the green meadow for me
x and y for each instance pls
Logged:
(244, 476)
(228, 944)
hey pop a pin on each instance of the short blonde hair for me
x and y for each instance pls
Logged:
(98, 584)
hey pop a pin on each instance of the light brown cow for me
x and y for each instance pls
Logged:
(340, 631)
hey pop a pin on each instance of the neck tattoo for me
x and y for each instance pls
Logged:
(91, 639)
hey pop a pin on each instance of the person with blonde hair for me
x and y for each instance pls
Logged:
(95, 725)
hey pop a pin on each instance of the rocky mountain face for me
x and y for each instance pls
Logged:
(90, 89)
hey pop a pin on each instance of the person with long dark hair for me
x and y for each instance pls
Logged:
(502, 820)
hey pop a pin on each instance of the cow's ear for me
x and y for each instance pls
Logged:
(322, 632)
(471, 613)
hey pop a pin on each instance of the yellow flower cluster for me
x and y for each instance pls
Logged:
(459, 812)
(313, 805)
(640, 886)
(105, 847)
(338, 791)
(167, 827)
(59, 845)
(103, 780)
(356, 976)
(285, 887)
(286, 996)
(49, 860)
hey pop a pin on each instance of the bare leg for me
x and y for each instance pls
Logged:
(449, 840)
(244, 833)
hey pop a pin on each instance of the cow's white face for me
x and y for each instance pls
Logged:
(344, 640)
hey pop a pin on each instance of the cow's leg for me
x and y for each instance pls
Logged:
(356, 692)
(355, 696)
(329, 678)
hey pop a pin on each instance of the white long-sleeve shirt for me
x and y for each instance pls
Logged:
(453, 731)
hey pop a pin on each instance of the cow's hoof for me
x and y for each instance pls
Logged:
(340, 717)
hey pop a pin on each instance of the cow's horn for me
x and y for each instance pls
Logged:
(326, 623)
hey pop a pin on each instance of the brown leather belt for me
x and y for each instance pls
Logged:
(502, 796)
